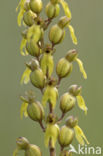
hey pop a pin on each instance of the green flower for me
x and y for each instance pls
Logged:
(72, 122)
(36, 6)
(64, 66)
(47, 63)
(52, 10)
(66, 136)
(31, 107)
(51, 134)
(50, 95)
(30, 149)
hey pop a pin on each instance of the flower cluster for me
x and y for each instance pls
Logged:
(39, 72)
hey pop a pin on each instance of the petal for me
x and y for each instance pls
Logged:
(80, 136)
(47, 64)
(66, 8)
(45, 97)
(20, 15)
(26, 76)
(23, 110)
(22, 46)
(80, 63)
(81, 103)
(74, 38)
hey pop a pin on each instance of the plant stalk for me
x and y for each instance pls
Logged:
(52, 149)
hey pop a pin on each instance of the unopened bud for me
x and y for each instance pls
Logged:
(56, 34)
(36, 6)
(71, 121)
(66, 136)
(63, 68)
(75, 90)
(52, 10)
(33, 48)
(28, 18)
(35, 111)
(37, 78)
(67, 102)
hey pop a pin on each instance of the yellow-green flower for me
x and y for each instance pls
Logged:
(50, 95)
(72, 122)
(75, 91)
(47, 64)
(51, 133)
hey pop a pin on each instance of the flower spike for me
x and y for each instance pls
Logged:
(80, 136)
(74, 38)
(26, 76)
(80, 63)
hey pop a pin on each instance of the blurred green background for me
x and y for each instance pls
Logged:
(88, 23)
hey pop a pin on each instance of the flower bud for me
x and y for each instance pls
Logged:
(64, 21)
(56, 34)
(33, 48)
(75, 90)
(33, 151)
(22, 143)
(67, 102)
(66, 136)
(63, 68)
(71, 122)
(71, 55)
(37, 78)
(35, 111)
(36, 6)
(52, 10)
(28, 18)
